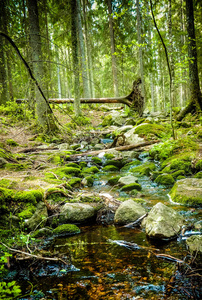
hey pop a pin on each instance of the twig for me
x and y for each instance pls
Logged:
(136, 222)
(34, 256)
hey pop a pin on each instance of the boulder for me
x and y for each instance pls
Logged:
(123, 129)
(39, 218)
(165, 179)
(187, 191)
(128, 180)
(194, 243)
(76, 213)
(129, 211)
(162, 222)
(131, 138)
(118, 118)
(66, 229)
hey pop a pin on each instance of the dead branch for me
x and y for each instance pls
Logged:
(169, 257)
(121, 148)
(133, 224)
(34, 256)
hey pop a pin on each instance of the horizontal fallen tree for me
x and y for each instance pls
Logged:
(134, 100)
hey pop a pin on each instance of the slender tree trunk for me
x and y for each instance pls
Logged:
(43, 113)
(192, 53)
(173, 97)
(75, 58)
(114, 63)
(139, 29)
(82, 51)
(3, 74)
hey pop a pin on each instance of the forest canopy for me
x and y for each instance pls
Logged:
(98, 48)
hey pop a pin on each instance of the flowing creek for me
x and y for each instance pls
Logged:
(103, 269)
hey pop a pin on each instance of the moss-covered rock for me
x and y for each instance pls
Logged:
(96, 160)
(113, 180)
(7, 195)
(42, 232)
(39, 218)
(89, 198)
(91, 170)
(107, 121)
(151, 130)
(76, 213)
(195, 243)
(66, 229)
(145, 169)
(83, 164)
(199, 165)
(198, 175)
(27, 212)
(109, 155)
(130, 165)
(110, 168)
(88, 180)
(71, 170)
(73, 165)
(9, 184)
(75, 182)
(131, 186)
(187, 191)
(178, 173)
(165, 179)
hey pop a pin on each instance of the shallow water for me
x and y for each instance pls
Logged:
(103, 267)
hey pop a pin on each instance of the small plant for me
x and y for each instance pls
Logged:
(9, 290)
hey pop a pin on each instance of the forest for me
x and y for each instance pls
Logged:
(100, 149)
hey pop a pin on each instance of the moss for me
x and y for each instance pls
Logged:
(107, 121)
(15, 167)
(83, 164)
(128, 166)
(88, 198)
(12, 143)
(97, 160)
(180, 177)
(7, 195)
(165, 179)
(75, 182)
(92, 169)
(27, 212)
(6, 183)
(73, 165)
(89, 180)
(43, 232)
(199, 165)
(145, 169)
(131, 186)
(56, 159)
(198, 175)
(151, 130)
(178, 173)
(114, 180)
(66, 229)
(55, 194)
(110, 168)
(109, 155)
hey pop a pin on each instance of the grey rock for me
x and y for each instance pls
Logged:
(162, 222)
(76, 213)
(128, 180)
(194, 243)
(129, 211)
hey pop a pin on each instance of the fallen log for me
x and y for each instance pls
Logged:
(121, 148)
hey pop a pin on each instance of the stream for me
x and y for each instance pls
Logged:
(104, 269)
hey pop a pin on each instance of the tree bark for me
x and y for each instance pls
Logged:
(3, 75)
(195, 103)
(114, 63)
(43, 112)
(139, 29)
(82, 51)
(74, 31)
(173, 98)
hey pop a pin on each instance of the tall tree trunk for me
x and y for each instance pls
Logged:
(43, 112)
(139, 29)
(192, 53)
(82, 51)
(3, 74)
(195, 103)
(173, 98)
(75, 58)
(114, 63)
(88, 52)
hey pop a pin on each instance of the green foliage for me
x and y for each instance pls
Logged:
(9, 290)
(107, 121)
(82, 120)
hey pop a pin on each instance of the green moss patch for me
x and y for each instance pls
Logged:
(114, 180)
(75, 182)
(6, 183)
(130, 187)
(96, 160)
(90, 170)
(110, 168)
(66, 229)
(165, 179)
(151, 130)
(7, 195)
(144, 170)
